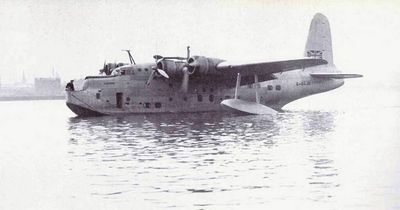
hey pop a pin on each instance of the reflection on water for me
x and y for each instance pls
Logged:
(207, 159)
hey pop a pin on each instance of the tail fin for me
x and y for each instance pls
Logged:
(319, 42)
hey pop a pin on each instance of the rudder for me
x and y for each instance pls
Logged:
(319, 42)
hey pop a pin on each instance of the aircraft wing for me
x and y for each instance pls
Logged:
(269, 67)
(334, 75)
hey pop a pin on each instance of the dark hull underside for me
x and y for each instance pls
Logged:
(82, 111)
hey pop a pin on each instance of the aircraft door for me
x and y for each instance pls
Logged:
(119, 99)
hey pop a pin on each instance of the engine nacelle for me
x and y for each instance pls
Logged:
(196, 64)
(172, 67)
(203, 65)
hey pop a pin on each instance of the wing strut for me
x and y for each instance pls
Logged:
(248, 107)
(237, 85)
(256, 85)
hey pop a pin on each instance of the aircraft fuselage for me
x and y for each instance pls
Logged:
(129, 93)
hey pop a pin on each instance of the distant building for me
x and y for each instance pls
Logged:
(48, 86)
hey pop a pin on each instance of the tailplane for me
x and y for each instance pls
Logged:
(319, 42)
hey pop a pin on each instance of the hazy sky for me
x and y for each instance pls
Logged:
(75, 37)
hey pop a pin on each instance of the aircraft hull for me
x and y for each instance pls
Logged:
(126, 95)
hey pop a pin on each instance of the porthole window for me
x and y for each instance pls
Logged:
(157, 105)
(270, 87)
(211, 98)
(278, 87)
(199, 98)
(146, 69)
(139, 69)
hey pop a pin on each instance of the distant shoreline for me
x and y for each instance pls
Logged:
(29, 98)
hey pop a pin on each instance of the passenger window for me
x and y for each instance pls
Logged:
(147, 105)
(157, 105)
(199, 98)
(97, 95)
(211, 98)
(278, 87)
(270, 87)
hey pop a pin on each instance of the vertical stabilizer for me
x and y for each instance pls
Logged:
(319, 42)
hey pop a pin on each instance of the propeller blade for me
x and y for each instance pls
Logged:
(187, 53)
(150, 77)
(162, 73)
(185, 80)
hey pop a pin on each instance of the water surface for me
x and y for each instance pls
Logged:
(307, 158)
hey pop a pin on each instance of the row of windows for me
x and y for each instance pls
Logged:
(200, 98)
(146, 69)
(277, 87)
(158, 104)
(148, 105)
(269, 87)
(123, 72)
(204, 89)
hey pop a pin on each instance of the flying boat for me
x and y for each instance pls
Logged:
(201, 84)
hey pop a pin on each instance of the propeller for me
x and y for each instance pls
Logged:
(161, 72)
(187, 70)
(106, 68)
(185, 79)
(103, 69)
(155, 69)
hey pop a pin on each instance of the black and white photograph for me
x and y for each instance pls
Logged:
(189, 104)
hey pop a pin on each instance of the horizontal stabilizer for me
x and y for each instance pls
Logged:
(247, 106)
(327, 75)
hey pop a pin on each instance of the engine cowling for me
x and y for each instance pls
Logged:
(195, 65)
(203, 65)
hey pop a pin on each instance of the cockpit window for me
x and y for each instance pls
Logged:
(116, 72)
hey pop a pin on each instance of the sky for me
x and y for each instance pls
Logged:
(76, 37)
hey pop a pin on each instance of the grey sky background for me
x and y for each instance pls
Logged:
(75, 37)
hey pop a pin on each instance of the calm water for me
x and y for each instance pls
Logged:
(314, 156)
